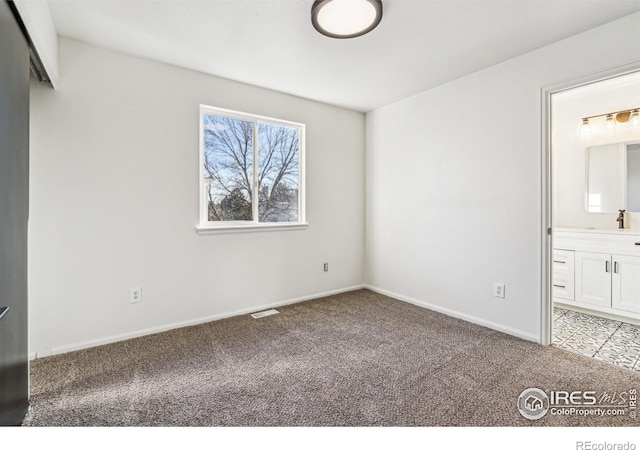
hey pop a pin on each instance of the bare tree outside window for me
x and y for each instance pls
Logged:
(278, 173)
(228, 165)
(229, 152)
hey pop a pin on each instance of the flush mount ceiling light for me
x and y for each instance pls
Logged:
(343, 19)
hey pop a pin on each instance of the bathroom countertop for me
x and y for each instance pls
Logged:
(626, 231)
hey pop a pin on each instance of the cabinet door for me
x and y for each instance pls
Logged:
(625, 281)
(593, 278)
(563, 274)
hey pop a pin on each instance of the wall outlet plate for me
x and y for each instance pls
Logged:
(498, 290)
(135, 295)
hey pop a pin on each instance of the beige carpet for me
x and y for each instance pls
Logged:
(355, 359)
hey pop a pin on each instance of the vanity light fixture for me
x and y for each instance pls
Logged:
(629, 117)
(634, 119)
(585, 128)
(610, 123)
(343, 19)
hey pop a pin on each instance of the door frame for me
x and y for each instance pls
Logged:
(546, 304)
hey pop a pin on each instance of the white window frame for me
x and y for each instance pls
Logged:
(205, 226)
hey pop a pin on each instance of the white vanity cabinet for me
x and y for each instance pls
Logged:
(563, 274)
(593, 278)
(606, 270)
(625, 283)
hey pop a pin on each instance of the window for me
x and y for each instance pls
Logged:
(251, 172)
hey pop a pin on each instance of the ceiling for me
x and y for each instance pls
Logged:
(419, 44)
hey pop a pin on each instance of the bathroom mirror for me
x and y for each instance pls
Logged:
(613, 177)
(633, 177)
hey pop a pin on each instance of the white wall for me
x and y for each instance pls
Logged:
(114, 204)
(569, 147)
(454, 183)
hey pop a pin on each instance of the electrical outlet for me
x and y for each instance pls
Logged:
(326, 267)
(135, 295)
(498, 290)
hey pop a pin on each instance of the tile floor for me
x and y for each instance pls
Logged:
(600, 338)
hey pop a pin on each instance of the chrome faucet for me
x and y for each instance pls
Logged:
(620, 219)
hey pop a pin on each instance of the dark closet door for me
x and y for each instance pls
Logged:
(14, 208)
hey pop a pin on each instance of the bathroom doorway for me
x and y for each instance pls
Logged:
(594, 222)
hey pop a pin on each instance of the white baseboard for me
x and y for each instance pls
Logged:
(457, 314)
(186, 323)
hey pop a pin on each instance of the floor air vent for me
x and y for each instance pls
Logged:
(268, 312)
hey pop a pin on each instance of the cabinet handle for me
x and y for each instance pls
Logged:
(559, 286)
(606, 266)
(615, 267)
(3, 311)
(637, 243)
(562, 262)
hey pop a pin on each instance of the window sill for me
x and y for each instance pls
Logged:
(253, 228)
